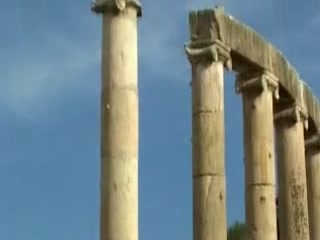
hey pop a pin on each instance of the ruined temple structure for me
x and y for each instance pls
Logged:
(275, 100)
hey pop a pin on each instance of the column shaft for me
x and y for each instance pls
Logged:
(119, 121)
(261, 220)
(209, 210)
(313, 181)
(292, 190)
(209, 187)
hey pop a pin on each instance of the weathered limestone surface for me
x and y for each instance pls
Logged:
(257, 93)
(292, 192)
(313, 180)
(115, 6)
(208, 139)
(249, 51)
(252, 53)
(119, 120)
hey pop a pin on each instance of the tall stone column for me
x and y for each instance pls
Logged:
(208, 139)
(292, 191)
(257, 91)
(313, 182)
(119, 119)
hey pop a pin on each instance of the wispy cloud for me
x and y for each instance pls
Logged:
(29, 82)
(31, 79)
(44, 55)
(316, 20)
(162, 33)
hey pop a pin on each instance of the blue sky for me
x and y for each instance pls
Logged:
(49, 112)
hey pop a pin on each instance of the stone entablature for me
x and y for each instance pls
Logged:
(251, 52)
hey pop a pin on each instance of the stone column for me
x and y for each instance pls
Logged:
(313, 182)
(119, 119)
(209, 186)
(292, 191)
(257, 91)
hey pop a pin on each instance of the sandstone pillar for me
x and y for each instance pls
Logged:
(209, 186)
(313, 182)
(292, 191)
(257, 91)
(119, 119)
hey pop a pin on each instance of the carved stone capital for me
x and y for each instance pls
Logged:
(295, 113)
(103, 6)
(257, 82)
(313, 142)
(214, 52)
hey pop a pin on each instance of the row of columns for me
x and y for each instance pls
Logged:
(119, 142)
(260, 93)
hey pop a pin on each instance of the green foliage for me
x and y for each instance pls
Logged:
(236, 231)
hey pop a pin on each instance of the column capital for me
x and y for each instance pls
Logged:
(313, 142)
(257, 82)
(103, 6)
(212, 52)
(295, 113)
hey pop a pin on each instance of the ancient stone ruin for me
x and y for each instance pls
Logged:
(275, 100)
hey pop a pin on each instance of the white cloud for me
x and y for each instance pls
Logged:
(29, 82)
(316, 20)
(159, 52)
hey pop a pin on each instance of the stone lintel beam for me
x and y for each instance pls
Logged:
(250, 50)
(205, 26)
(257, 82)
(115, 6)
(212, 52)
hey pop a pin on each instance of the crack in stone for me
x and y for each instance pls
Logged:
(200, 175)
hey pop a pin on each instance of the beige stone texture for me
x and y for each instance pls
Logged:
(292, 192)
(208, 139)
(257, 94)
(251, 52)
(119, 120)
(209, 204)
(313, 181)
